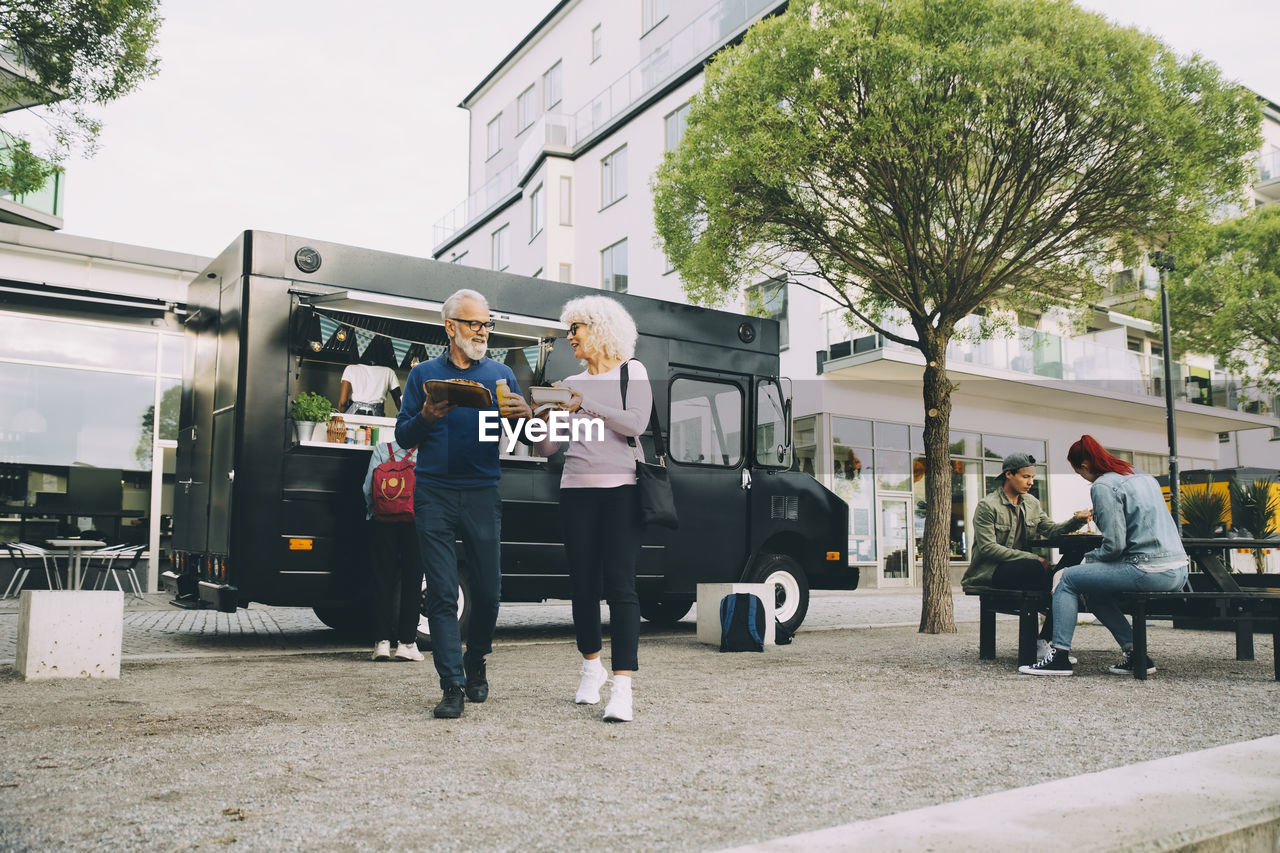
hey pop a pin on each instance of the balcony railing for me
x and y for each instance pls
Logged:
(1076, 360)
(1269, 166)
(692, 44)
(47, 199)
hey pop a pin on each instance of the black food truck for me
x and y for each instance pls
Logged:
(266, 513)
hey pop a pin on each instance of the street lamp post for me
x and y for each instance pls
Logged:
(1163, 262)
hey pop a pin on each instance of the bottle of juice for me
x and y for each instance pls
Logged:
(503, 391)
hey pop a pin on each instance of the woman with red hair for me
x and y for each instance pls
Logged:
(1141, 551)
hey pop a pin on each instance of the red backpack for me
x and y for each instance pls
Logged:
(392, 488)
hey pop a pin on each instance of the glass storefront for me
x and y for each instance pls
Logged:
(89, 403)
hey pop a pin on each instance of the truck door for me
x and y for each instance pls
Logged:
(708, 414)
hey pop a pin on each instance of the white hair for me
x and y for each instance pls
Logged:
(612, 329)
(450, 306)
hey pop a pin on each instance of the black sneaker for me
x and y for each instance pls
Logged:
(1125, 667)
(450, 707)
(477, 685)
(1056, 662)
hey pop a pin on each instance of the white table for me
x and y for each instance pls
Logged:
(75, 547)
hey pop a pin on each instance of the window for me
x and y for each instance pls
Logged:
(771, 426)
(501, 253)
(537, 211)
(551, 87)
(676, 124)
(769, 299)
(613, 266)
(613, 177)
(706, 422)
(595, 43)
(495, 135)
(566, 200)
(566, 273)
(526, 109)
(652, 13)
(458, 258)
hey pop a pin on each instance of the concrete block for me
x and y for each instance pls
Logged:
(708, 613)
(70, 633)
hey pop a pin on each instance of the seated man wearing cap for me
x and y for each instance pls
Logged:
(1002, 524)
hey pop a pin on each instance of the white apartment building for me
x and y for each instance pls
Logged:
(565, 135)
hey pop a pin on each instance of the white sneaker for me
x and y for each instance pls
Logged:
(1042, 651)
(382, 651)
(408, 652)
(619, 708)
(594, 676)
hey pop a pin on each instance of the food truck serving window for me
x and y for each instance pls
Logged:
(426, 311)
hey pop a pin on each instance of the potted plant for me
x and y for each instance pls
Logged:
(1203, 511)
(309, 409)
(1253, 509)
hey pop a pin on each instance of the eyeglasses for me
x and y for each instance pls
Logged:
(476, 325)
(574, 327)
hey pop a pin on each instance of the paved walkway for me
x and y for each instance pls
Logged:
(155, 629)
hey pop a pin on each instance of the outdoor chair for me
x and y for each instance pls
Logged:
(24, 557)
(112, 562)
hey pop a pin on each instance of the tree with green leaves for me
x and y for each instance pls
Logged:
(938, 159)
(58, 57)
(1224, 294)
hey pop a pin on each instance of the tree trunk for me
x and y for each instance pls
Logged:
(937, 614)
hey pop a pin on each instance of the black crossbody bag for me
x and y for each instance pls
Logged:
(657, 503)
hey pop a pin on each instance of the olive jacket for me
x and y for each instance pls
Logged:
(995, 524)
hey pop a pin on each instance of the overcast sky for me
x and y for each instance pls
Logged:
(339, 121)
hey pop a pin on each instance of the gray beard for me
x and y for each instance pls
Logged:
(472, 350)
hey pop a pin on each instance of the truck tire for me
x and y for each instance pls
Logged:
(464, 611)
(353, 619)
(664, 611)
(790, 586)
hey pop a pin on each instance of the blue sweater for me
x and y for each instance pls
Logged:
(450, 452)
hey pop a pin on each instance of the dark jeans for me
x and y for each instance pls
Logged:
(397, 580)
(601, 541)
(443, 515)
(1030, 575)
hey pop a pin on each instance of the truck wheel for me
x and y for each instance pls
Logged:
(662, 611)
(353, 619)
(464, 611)
(790, 588)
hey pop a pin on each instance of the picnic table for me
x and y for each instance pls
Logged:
(1215, 595)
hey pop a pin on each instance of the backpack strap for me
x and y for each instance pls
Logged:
(659, 446)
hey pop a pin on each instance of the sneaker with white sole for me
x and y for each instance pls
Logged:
(381, 651)
(594, 676)
(1042, 649)
(619, 708)
(1125, 667)
(1057, 662)
(408, 651)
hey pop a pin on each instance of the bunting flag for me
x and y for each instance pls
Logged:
(407, 349)
(401, 349)
(328, 328)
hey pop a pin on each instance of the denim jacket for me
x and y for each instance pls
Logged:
(1134, 521)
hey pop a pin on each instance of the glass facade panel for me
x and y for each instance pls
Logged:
(851, 431)
(86, 345)
(965, 444)
(171, 355)
(896, 436)
(893, 470)
(1000, 446)
(61, 416)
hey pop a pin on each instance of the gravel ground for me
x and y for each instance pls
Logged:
(327, 751)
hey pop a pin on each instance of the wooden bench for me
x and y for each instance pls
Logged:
(1239, 609)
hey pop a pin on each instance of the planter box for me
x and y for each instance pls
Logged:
(70, 633)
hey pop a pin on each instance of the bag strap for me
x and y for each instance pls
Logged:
(391, 452)
(659, 446)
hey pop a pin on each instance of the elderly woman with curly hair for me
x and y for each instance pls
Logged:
(598, 496)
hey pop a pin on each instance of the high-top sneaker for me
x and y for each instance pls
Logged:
(1056, 662)
(1125, 667)
(619, 708)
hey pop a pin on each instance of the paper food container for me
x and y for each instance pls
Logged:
(543, 394)
(459, 391)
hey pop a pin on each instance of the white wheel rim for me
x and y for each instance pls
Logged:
(786, 594)
(424, 626)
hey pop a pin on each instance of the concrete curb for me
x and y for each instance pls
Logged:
(1226, 798)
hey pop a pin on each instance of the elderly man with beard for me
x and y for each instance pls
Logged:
(456, 497)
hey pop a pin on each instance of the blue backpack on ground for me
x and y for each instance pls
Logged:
(741, 623)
